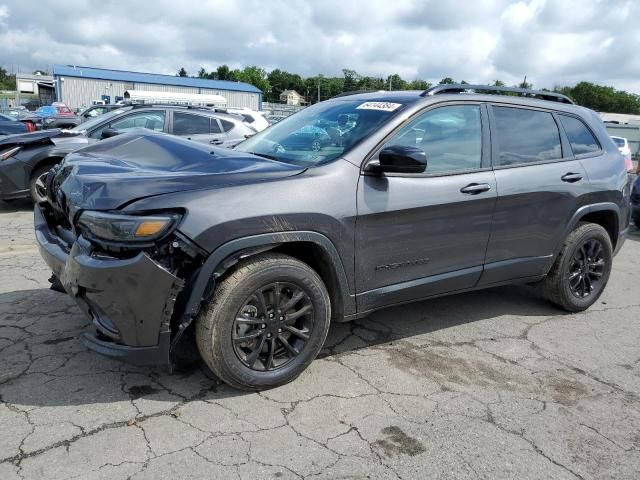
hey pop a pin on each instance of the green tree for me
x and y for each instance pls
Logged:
(447, 81)
(395, 82)
(182, 72)
(202, 73)
(498, 83)
(224, 73)
(255, 76)
(419, 85)
(351, 80)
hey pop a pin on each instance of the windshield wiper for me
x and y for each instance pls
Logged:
(264, 155)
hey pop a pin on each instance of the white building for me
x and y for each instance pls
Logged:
(81, 86)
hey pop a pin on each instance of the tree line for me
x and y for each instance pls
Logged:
(272, 84)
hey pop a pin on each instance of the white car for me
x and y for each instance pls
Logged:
(256, 119)
(623, 146)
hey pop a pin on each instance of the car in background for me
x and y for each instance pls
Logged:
(57, 115)
(26, 157)
(635, 201)
(623, 145)
(95, 111)
(256, 119)
(309, 137)
(10, 126)
(273, 119)
(54, 110)
(32, 121)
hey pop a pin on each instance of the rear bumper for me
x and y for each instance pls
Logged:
(130, 301)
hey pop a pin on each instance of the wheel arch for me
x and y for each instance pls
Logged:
(312, 248)
(606, 214)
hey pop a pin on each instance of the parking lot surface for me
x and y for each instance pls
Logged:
(493, 384)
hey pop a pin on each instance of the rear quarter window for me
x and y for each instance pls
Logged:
(580, 137)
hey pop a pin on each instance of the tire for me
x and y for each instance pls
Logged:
(236, 310)
(316, 146)
(557, 286)
(33, 183)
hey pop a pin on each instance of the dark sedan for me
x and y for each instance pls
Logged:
(10, 126)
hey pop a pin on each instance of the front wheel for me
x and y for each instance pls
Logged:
(582, 269)
(37, 188)
(266, 322)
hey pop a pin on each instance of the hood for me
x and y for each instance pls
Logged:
(111, 173)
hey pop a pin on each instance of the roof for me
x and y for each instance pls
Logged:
(286, 92)
(138, 77)
(407, 97)
(38, 78)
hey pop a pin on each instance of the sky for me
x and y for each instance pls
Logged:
(552, 42)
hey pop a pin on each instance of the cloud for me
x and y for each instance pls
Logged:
(553, 42)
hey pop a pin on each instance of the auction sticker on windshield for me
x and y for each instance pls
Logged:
(384, 106)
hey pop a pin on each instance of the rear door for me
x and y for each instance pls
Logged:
(419, 235)
(540, 186)
(196, 127)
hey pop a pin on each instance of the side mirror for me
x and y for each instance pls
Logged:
(400, 159)
(109, 132)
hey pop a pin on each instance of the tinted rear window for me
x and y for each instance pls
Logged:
(526, 136)
(187, 124)
(579, 135)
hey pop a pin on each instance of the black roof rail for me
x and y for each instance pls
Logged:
(355, 92)
(521, 92)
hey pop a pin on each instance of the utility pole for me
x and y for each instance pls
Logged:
(318, 90)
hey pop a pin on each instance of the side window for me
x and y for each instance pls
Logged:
(188, 124)
(580, 137)
(526, 136)
(226, 125)
(215, 126)
(451, 137)
(153, 120)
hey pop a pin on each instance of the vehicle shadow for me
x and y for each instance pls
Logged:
(43, 362)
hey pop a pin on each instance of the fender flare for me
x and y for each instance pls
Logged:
(235, 249)
(581, 212)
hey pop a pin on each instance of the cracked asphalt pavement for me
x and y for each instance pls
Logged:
(493, 384)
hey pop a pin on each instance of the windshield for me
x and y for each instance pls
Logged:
(320, 133)
(89, 124)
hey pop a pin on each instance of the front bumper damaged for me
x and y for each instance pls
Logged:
(130, 300)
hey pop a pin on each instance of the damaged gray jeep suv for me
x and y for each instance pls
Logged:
(358, 203)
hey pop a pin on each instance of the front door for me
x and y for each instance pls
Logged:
(419, 235)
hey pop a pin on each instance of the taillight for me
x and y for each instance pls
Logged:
(10, 152)
(31, 127)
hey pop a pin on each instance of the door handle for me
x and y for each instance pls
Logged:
(476, 188)
(571, 177)
(216, 141)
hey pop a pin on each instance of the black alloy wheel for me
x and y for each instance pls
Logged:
(273, 326)
(586, 270)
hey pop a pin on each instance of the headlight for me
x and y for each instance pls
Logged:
(126, 228)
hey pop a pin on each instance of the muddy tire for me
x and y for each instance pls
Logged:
(266, 322)
(581, 271)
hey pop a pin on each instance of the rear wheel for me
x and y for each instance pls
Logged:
(582, 269)
(316, 146)
(265, 323)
